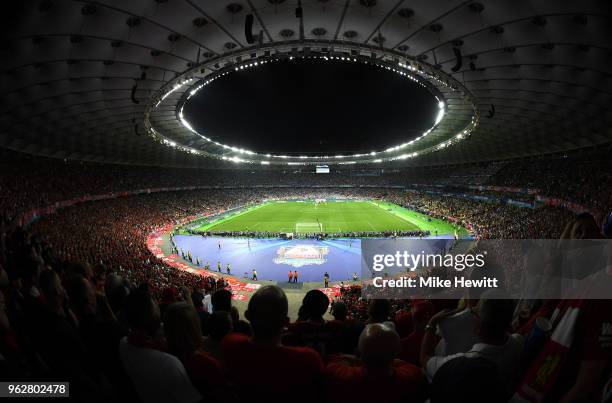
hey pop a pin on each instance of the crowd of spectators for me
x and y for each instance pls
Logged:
(445, 335)
(583, 178)
(487, 219)
(33, 182)
(113, 233)
(83, 300)
(115, 340)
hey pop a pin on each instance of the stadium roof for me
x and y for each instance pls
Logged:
(540, 72)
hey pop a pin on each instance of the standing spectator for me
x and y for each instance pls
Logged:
(261, 364)
(220, 324)
(59, 343)
(185, 341)
(198, 299)
(157, 376)
(493, 320)
(410, 346)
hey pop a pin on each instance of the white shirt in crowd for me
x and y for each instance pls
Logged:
(207, 303)
(457, 332)
(157, 376)
(505, 357)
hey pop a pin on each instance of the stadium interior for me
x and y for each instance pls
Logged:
(210, 201)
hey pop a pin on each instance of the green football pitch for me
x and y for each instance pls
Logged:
(328, 217)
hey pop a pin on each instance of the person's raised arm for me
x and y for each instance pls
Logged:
(430, 339)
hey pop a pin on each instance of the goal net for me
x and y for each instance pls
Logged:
(308, 227)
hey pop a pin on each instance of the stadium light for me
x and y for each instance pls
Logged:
(419, 72)
(439, 117)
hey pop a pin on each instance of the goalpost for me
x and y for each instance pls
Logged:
(308, 227)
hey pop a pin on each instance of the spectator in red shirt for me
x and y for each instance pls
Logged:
(311, 330)
(261, 364)
(378, 374)
(410, 350)
(346, 330)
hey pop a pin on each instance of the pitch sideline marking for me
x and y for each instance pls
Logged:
(398, 216)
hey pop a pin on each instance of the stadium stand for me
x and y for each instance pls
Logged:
(200, 200)
(80, 276)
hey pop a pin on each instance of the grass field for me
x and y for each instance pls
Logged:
(328, 217)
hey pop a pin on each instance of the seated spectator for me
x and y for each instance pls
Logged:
(185, 341)
(262, 365)
(376, 373)
(220, 324)
(492, 322)
(156, 375)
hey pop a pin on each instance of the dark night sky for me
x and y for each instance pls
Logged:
(312, 106)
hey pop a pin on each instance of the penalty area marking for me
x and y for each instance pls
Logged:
(310, 227)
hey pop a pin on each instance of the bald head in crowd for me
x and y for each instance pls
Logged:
(267, 312)
(379, 345)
